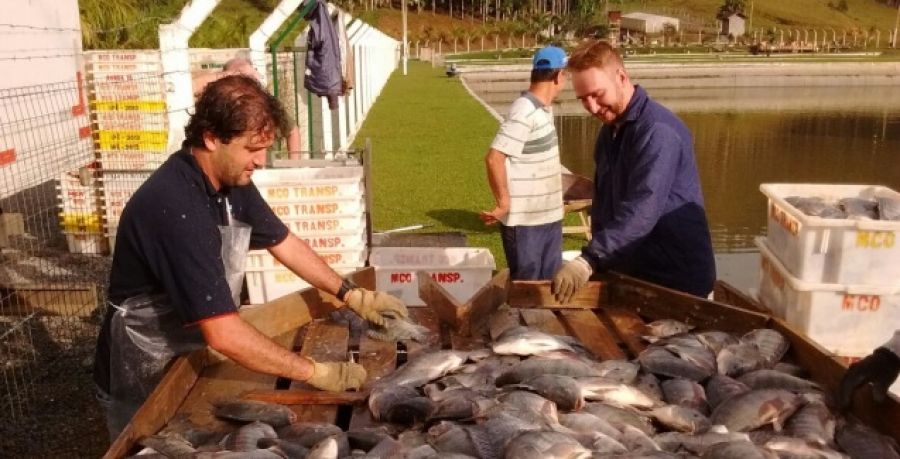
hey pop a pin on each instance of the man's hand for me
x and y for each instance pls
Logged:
(570, 277)
(336, 376)
(494, 216)
(370, 305)
(880, 368)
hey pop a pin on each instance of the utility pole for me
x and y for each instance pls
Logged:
(405, 45)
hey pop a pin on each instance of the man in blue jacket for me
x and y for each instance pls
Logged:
(647, 217)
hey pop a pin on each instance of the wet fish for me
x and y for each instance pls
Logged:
(248, 436)
(737, 359)
(269, 453)
(791, 369)
(600, 389)
(459, 403)
(796, 448)
(888, 208)
(526, 341)
(524, 400)
(858, 208)
(862, 442)
(716, 340)
(308, 433)
(366, 438)
(534, 367)
(619, 417)
(397, 328)
(424, 368)
(583, 422)
(667, 327)
(447, 437)
(545, 445)
(684, 392)
(649, 384)
(251, 410)
(290, 449)
(681, 418)
(636, 440)
(621, 371)
(816, 207)
(692, 350)
(605, 445)
(171, 445)
(325, 449)
(660, 361)
(566, 392)
(697, 444)
(400, 405)
(756, 408)
(737, 450)
(813, 423)
(771, 344)
(771, 379)
(720, 388)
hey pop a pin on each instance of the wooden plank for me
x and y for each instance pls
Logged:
(319, 303)
(828, 371)
(502, 320)
(654, 302)
(723, 292)
(543, 320)
(445, 307)
(537, 294)
(629, 327)
(325, 341)
(428, 319)
(485, 302)
(464, 318)
(379, 359)
(592, 333)
(305, 397)
(466, 343)
(76, 299)
(162, 404)
(282, 317)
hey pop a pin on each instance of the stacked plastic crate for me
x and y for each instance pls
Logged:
(80, 215)
(325, 207)
(836, 279)
(128, 111)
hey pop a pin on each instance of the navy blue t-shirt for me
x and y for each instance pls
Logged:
(168, 241)
(647, 216)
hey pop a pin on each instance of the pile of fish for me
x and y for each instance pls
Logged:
(706, 394)
(881, 208)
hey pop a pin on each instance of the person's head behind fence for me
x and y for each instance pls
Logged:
(232, 106)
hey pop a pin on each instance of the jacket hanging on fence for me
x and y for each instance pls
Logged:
(323, 56)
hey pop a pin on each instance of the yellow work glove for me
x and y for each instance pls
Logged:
(336, 376)
(370, 305)
(570, 277)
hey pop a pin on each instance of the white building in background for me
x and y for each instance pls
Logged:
(43, 112)
(647, 23)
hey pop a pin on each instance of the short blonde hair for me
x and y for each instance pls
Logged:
(594, 53)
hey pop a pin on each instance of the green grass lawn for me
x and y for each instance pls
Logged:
(429, 138)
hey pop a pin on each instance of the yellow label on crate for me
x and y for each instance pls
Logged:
(80, 221)
(875, 239)
(128, 105)
(284, 277)
(131, 140)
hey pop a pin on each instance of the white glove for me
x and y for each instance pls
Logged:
(571, 277)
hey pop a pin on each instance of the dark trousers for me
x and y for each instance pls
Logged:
(533, 252)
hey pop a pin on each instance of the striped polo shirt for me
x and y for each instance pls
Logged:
(528, 139)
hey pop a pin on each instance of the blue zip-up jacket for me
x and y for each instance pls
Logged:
(323, 56)
(647, 217)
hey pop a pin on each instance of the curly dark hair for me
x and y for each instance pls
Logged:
(234, 105)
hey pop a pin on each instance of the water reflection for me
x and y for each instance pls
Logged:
(825, 137)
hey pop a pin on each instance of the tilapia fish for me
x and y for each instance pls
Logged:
(862, 442)
(756, 408)
(813, 423)
(666, 327)
(681, 418)
(526, 341)
(248, 436)
(737, 359)
(400, 405)
(738, 450)
(545, 445)
(250, 410)
(770, 344)
(660, 361)
(424, 368)
(565, 391)
(534, 367)
(397, 328)
(771, 379)
(720, 388)
(684, 392)
(816, 207)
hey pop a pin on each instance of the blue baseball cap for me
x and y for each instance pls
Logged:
(549, 58)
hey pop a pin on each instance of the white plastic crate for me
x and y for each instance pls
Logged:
(117, 190)
(75, 197)
(87, 243)
(273, 283)
(305, 175)
(462, 271)
(326, 225)
(840, 251)
(331, 208)
(336, 258)
(846, 319)
(315, 190)
(131, 160)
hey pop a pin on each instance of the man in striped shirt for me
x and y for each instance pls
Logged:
(524, 173)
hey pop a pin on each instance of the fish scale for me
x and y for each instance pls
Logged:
(813, 422)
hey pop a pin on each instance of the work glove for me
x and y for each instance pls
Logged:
(336, 376)
(370, 305)
(880, 368)
(570, 277)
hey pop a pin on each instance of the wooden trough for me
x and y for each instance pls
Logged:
(608, 317)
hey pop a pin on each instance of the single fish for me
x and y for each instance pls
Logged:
(796, 448)
(737, 450)
(290, 449)
(816, 207)
(771, 344)
(545, 445)
(681, 418)
(791, 369)
(771, 379)
(692, 350)
(567, 392)
(400, 405)
(648, 383)
(325, 449)
(251, 410)
(687, 393)
(624, 395)
(859, 209)
(715, 341)
(527, 401)
(620, 417)
(667, 327)
(534, 367)
(587, 423)
(424, 368)
(697, 444)
(737, 359)
(526, 341)
(248, 436)
(606, 445)
(171, 445)
(755, 409)
(636, 440)
(720, 388)
(397, 328)
(621, 371)
(366, 438)
(812, 423)
(660, 361)
(862, 442)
